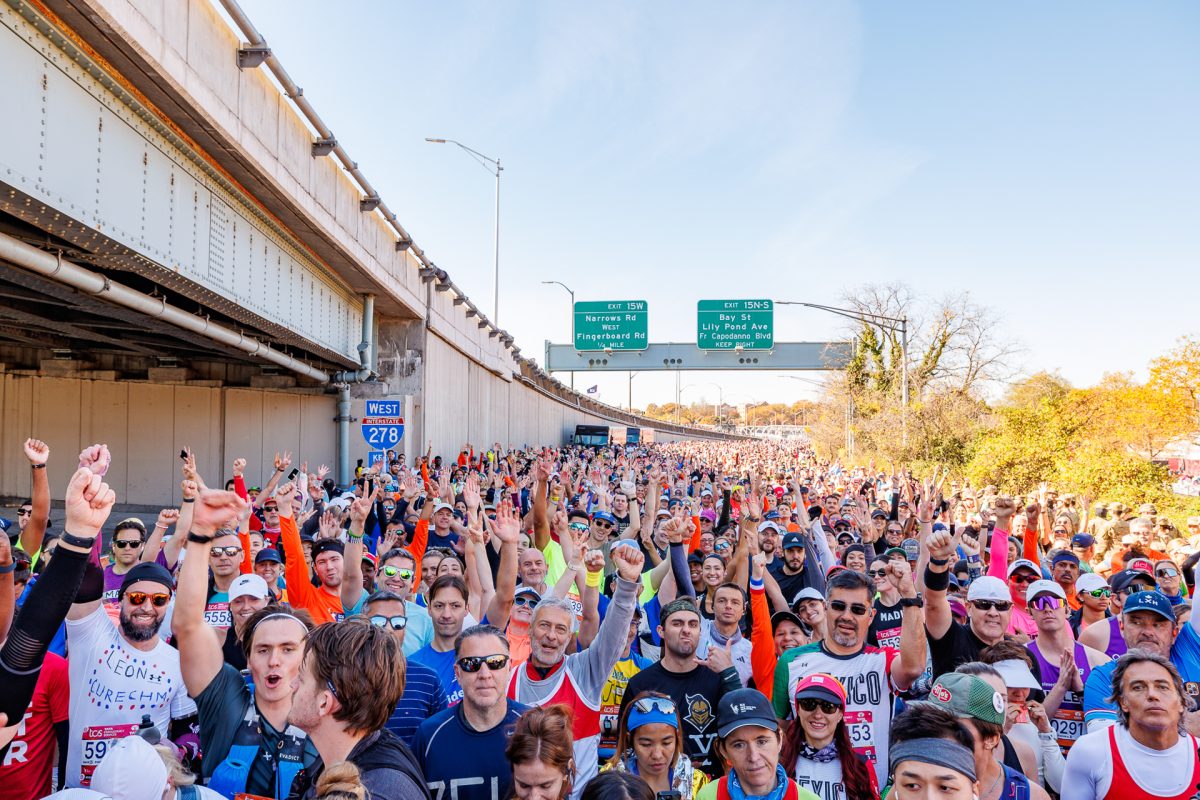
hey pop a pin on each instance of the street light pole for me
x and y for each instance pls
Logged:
(568, 288)
(893, 324)
(492, 165)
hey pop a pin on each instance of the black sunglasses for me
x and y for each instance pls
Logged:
(125, 544)
(988, 605)
(810, 704)
(473, 663)
(857, 609)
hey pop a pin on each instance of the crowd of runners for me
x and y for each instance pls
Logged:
(711, 621)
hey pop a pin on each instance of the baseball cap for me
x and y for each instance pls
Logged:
(1016, 674)
(148, 571)
(791, 539)
(743, 707)
(784, 616)
(879, 513)
(1082, 540)
(369, 556)
(1064, 555)
(440, 504)
(1089, 582)
(895, 551)
(808, 593)
(1125, 578)
(1147, 509)
(1140, 565)
(1044, 587)
(1026, 563)
(268, 554)
(528, 590)
(607, 517)
(968, 696)
(327, 546)
(822, 687)
(1149, 601)
(248, 585)
(696, 558)
(708, 514)
(988, 587)
(132, 770)
(911, 548)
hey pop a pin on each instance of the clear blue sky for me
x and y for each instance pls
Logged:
(1041, 156)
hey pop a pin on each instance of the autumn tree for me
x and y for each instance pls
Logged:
(1179, 371)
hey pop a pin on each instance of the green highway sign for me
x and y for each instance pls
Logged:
(611, 325)
(729, 324)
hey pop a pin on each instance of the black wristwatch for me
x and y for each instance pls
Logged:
(912, 602)
(198, 539)
(77, 541)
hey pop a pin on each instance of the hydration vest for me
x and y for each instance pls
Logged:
(231, 775)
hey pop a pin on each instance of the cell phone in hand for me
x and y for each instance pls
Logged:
(292, 475)
(183, 455)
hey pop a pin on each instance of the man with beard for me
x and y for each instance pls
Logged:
(121, 674)
(870, 674)
(695, 685)
(323, 602)
(247, 743)
(346, 689)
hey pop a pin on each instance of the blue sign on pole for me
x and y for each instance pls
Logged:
(374, 457)
(382, 425)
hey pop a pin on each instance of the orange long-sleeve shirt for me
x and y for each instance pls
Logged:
(324, 606)
(762, 643)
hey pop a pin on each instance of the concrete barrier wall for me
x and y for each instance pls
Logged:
(147, 424)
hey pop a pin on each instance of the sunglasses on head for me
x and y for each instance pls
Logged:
(159, 599)
(663, 705)
(525, 600)
(1045, 603)
(391, 571)
(473, 663)
(229, 550)
(810, 704)
(1105, 592)
(1019, 578)
(1167, 572)
(857, 609)
(126, 544)
(988, 605)
(397, 622)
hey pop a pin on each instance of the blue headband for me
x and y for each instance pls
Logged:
(637, 719)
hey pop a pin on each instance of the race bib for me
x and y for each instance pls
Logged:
(217, 615)
(859, 725)
(96, 741)
(1068, 726)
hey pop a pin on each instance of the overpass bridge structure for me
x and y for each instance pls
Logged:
(189, 257)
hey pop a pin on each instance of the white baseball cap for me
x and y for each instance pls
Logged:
(250, 585)
(1044, 587)
(988, 587)
(1090, 582)
(1026, 563)
(131, 770)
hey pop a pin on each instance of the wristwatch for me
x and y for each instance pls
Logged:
(911, 602)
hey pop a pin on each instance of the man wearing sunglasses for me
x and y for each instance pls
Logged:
(129, 537)
(461, 749)
(1063, 665)
(869, 674)
(989, 608)
(225, 565)
(121, 672)
(424, 694)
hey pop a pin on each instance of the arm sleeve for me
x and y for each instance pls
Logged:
(1098, 712)
(762, 650)
(247, 559)
(724, 518)
(679, 569)
(779, 694)
(694, 544)
(34, 628)
(420, 541)
(998, 554)
(819, 541)
(239, 487)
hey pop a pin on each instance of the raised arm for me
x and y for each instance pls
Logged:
(937, 579)
(183, 523)
(38, 454)
(762, 650)
(507, 529)
(911, 662)
(88, 503)
(166, 518)
(200, 655)
(1003, 507)
(352, 576)
(595, 663)
(541, 518)
(282, 462)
